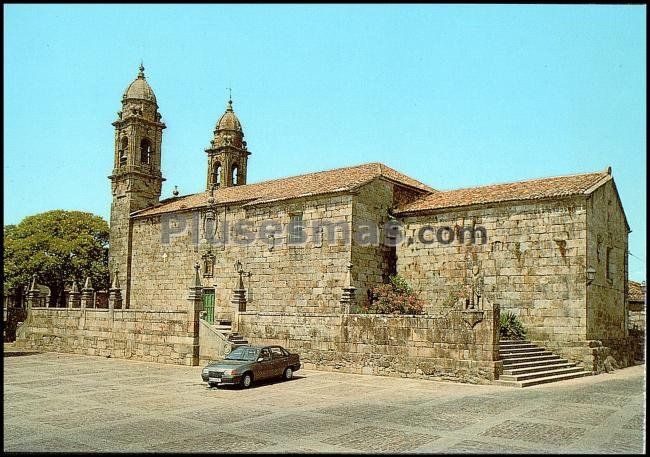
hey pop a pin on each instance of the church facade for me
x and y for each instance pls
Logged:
(304, 251)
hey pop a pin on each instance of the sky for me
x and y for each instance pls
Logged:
(454, 96)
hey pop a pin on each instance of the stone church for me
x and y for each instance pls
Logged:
(291, 260)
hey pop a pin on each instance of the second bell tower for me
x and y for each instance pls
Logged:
(228, 153)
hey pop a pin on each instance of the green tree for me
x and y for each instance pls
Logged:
(58, 246)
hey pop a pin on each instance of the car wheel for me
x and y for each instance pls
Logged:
(288, 373)
(246, 380)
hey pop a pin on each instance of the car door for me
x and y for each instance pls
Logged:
(279, 360)
(265, 365)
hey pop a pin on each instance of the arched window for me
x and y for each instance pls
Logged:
(216, 174)
(123, 151)
(235, 174)
(145, 151)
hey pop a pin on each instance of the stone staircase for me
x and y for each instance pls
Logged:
(225, 328)
(525, 364)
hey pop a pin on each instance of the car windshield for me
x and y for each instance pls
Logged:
(243, 353)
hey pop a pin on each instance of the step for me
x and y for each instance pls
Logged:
(524, 355)
(535, 363)
(521, 350)
(517, 346)
(541, 374)
(537, 358)
(537, 369)
(513, 341)
(533, 382)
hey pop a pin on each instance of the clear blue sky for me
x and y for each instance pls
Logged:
(454, 96)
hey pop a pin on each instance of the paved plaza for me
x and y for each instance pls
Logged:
(65, 402)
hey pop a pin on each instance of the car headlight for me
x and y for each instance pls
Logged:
(230, 372)
(205, 370)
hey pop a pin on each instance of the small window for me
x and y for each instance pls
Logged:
(296, 228)
(265, 354)
(145, 152)
(216, 174)
(235, 174)
(609, 267)
(124, 148)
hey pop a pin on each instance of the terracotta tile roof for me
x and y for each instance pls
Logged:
(533, 189)
(324, 182)
(636, 291)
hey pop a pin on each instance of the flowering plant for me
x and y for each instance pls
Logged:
(396, 297)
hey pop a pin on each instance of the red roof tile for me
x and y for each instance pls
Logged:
(324, 182)
(636, 291)
(533, 189)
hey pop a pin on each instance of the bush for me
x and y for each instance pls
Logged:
(511, 327)
(397, 297)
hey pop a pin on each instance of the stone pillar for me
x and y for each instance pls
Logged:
(115, 294)
(348, 298)
(74, 300)
(195, 306)
(33, 293)
(87, 294)
(239, 294)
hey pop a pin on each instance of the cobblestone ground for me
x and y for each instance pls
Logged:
(63, 402)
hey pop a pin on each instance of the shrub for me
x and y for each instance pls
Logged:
(511, 327)
(396, 297)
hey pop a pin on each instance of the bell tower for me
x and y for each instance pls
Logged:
(227, 154)
(136, 180)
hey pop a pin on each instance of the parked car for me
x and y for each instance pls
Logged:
(246, 364)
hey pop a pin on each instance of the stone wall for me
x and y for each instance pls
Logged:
(453, 347)
(287, 278)
(371, 258)
(606, 251)
(532, 263)
(156, 336)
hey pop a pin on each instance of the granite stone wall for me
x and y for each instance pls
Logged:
(455, 347)
(156, 336)
(371, 258)
(531, 262)
(607, 239)
(284, 277)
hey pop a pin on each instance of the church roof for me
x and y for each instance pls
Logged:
(325, 182)
(534, 189)
(140, 88)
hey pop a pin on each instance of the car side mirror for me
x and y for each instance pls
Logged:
(259, 359)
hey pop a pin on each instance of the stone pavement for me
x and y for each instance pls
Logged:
(65, 402)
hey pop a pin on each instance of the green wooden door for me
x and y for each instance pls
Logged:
(208, 305)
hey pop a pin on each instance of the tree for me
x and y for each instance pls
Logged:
(58, 246)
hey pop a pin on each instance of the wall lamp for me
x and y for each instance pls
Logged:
(591, 275)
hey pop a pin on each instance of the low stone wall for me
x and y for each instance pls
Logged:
(595, 355)
(156, 336)
(454, 347)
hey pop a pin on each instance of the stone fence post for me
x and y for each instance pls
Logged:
(115, 294)
(74, 300)
(33, 294)
(87, 294)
